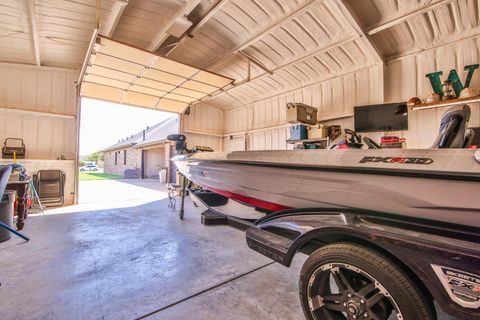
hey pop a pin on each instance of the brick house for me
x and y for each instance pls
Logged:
(143, 154)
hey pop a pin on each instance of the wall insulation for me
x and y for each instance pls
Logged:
(262, 125)
(405, 78)
(38, 105)
(264, 121)
(203, 126)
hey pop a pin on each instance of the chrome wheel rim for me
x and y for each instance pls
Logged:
(339, 291)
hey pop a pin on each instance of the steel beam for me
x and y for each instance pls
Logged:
(33, 23)
(204, 20)
(259, 36)
(108, 28)
(403, 16)
(162, 34)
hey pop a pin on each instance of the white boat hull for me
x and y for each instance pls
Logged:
(447, 189)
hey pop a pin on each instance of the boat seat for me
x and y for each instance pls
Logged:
(453, 131)
(469, 137)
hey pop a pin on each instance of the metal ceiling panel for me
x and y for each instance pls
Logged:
(124, 74)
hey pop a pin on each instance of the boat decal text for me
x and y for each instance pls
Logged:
(406, 160)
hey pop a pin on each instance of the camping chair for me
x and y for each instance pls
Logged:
(50, 186)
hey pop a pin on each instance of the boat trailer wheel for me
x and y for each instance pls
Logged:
(340, 291)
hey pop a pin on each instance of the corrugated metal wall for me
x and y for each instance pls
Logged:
(44, 100)
(203, 126)
(405, 77)
(265, 121)
(39, 106)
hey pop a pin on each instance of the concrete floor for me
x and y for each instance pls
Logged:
(139, 261)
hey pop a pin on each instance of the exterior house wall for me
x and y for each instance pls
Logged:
(134, 161)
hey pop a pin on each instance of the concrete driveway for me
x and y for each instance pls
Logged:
(122, 254)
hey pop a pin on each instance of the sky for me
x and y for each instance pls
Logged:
(103, 123)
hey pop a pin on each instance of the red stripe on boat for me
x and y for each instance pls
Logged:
(248, 200)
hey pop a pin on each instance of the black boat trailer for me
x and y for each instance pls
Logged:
(382, 264)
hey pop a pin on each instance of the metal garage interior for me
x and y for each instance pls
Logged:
(243, 61)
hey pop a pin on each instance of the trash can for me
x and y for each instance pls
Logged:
(162, 174)
(6, 214)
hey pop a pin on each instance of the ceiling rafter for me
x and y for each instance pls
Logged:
(422, 8)
(162, 34)
(33, 23)
(204, 20)
(259, 36)
(345, 40)
(354, 22)
(108, 28)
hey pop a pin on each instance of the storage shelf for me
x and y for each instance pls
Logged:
(446, 103)
(307, 141)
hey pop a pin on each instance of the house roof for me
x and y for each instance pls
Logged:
(155, 134)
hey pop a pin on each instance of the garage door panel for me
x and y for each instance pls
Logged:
(155, 84)
(139, 99)
(109, 73)
(124, 74)
(106, 81)
(178, 97)
(163, 77)
(117, 64)
(117, 49)
(197, 86)
(147, 90)
(189, 93)
(171, 105)
(102, 92)
(174, 67)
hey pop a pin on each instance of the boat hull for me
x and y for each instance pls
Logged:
(276, 185)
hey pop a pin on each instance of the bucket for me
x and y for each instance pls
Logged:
(6, 214)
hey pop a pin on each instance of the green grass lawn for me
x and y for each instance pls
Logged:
(85, 176)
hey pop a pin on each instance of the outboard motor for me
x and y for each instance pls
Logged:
(453, 131)
(180, 142)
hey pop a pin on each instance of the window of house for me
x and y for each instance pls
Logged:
(124, 157)
(116, 157)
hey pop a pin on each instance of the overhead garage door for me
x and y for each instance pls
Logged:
(154, 161)
(123, 74)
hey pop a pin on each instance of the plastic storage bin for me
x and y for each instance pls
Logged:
(6, 214)
(298, 132)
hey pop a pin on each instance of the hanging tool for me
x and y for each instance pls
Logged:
(18, 234)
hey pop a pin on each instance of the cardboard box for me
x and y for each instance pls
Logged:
(318, 131)
(299, 112)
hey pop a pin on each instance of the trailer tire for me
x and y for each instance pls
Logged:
(369, 284)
